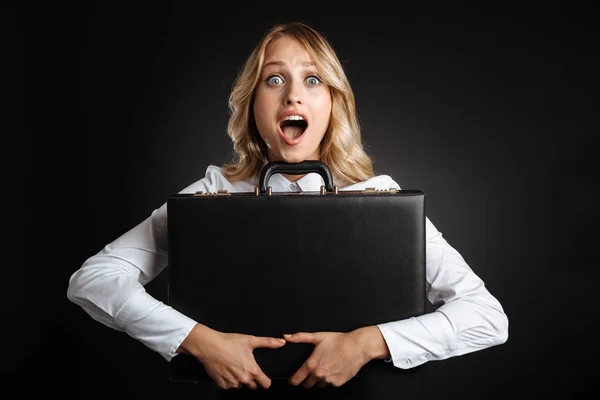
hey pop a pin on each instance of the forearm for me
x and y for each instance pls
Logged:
(157, 325)
(128, 307)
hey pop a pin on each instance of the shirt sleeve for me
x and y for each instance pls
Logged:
(109, 285)
(467, 317)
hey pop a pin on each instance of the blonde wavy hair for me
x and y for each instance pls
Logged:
(341, 149)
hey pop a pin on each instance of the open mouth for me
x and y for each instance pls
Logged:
(292, 129)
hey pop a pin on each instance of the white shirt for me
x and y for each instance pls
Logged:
(109, 286)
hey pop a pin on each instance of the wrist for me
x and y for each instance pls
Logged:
(193, 342)
(373, 343)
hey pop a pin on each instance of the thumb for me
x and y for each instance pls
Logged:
(270, 342)
(304, 337)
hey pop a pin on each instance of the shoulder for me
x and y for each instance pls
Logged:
(379, 182)
(215, 180)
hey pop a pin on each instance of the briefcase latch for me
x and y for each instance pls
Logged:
(217, 193)
(372, 190)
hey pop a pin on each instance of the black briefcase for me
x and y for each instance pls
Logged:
(332, 260)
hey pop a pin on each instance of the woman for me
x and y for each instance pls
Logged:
(291, 102)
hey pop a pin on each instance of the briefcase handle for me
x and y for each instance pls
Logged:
(300, 168)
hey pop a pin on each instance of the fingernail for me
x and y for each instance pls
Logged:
(287, 334)
(281, 341)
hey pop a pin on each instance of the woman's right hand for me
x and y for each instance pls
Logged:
(228, 357)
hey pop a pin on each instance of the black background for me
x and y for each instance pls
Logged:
(493, 112)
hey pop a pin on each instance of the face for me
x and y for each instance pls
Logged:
(292, 106)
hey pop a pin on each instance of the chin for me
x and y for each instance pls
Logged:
(294, 155)
(293, 158)
(289, 157)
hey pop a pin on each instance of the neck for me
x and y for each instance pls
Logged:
(293, 178)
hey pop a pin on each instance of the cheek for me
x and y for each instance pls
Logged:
(260, 111)
(323, 110)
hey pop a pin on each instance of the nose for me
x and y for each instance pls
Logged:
(294, 94)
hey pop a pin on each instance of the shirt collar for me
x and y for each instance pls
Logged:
(308, 183)
(311, 182)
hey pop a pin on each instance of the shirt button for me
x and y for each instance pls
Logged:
(427, 356)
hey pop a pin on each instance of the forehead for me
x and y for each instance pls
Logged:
(288, 50)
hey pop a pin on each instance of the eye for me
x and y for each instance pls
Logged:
(274, 80)
(313, 80)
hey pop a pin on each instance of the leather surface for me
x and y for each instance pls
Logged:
(294, 262)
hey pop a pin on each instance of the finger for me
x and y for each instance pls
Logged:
(251, 384)
(222, 384)
(269, 342)
(231, 383)
(300, 375)
(310, 381)
(263, 380)
(220, 381)
(304, 337)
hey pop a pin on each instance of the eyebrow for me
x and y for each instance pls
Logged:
(281, 63)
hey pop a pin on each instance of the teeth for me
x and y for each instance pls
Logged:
(293, 118)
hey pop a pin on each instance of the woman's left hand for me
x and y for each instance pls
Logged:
(337, 357)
